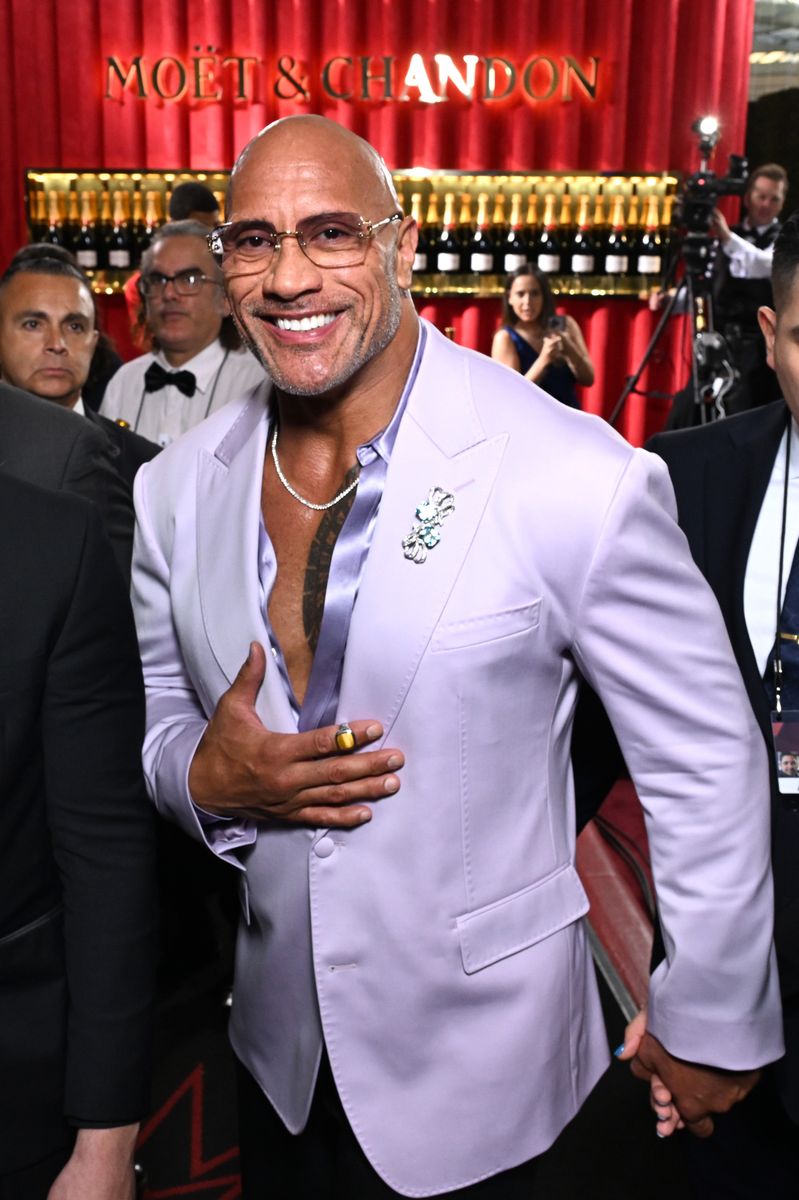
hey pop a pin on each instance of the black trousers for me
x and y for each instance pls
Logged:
(753, 1153)
(35, 1181)
(325, 1161)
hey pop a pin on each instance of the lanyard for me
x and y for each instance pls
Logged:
(780, 636)
(219, 370)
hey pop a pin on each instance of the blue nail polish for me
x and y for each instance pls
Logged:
(618, 1050)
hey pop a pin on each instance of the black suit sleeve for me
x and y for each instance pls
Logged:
(102, 832)
(89, 472)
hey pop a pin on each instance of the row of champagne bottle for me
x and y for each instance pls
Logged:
(620, 242)
(111, 231)
(103, 230)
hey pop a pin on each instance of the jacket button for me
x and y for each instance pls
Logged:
(324, 847)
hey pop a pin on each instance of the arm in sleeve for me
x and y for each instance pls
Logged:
(746, 260)
(176, 719)
(102, 830)
(90, 472)
(650, 639)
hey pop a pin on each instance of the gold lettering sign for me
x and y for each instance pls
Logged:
(364, 78)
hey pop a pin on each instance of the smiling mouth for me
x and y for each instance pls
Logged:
(303, 324)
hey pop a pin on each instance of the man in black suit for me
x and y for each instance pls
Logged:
(729, 482)
(48, 335)
(76, 858)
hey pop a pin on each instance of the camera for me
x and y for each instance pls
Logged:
(556, 324)
(699, 196)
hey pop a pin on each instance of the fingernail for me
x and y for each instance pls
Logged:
(659, 1134)
(249, 654)
(662, 1116)
(364, 815)
(394, 763)
(619, 1050)
(373, 732)
(391, 785)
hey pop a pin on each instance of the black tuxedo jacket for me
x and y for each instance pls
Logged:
(76, 831)
(130, 449)
(45, 444)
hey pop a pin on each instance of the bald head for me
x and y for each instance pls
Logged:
(318, 142)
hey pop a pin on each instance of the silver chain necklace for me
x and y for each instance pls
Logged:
(308, 503)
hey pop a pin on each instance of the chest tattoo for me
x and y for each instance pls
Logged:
(320, 555)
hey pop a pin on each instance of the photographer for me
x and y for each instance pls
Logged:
(742, 283)
(547, 349)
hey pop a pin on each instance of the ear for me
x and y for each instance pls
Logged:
(407, 238)
(767, 320)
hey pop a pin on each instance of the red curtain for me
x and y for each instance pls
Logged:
(660, 66)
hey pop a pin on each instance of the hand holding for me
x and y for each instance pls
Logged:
(660, 1098)
(241, 768)
(720, 226)
(697, 1090)
(551, 348)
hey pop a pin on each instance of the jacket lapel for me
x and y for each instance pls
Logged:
(441, 443)
(736, 482)
(228, 523)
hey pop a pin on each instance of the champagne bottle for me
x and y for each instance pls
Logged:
(666, 230)
(85, 247)
(583, 246)
(481, 243)
(465, 228)
(499, 224)
(103, 229)
(448, 250)
(565, 233)
(422, 256)
(617, 247)
(37, 213)
(514, 248)
(600, 234)
(153, 220)
(41, 214)
(531, 224)
(650, 247)
(548, 247)
(138, 230)
(54, 233)
(120, 248)
(71, 227)
(432, 229)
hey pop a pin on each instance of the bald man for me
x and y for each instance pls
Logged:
(364, 610)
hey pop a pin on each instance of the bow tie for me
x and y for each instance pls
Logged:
(155, 378)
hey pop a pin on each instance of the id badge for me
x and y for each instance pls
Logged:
(785, 740)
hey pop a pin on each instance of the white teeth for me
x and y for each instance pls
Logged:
(305, 323)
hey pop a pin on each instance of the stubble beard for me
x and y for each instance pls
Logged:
(380, 339)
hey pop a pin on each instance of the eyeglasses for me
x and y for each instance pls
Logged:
(329, 240)
(185, 283)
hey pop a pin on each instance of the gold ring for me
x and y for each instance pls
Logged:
(345, 739)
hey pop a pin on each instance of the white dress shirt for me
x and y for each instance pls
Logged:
(746, 260)
(164, 415)
(762, 567)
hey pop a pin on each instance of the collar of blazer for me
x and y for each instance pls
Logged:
(440, 443)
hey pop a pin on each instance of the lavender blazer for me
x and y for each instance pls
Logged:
(439, 950)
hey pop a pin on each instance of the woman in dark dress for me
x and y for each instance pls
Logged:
(546, 349)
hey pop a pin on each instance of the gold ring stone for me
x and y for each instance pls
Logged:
(345, 739)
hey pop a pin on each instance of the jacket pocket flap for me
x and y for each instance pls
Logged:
(491, 933)
(473, 631)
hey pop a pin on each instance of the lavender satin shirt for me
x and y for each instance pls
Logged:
(346, 567)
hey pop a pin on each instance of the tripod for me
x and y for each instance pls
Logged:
(713, 374)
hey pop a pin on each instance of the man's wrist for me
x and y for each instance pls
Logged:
(115, 1144)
